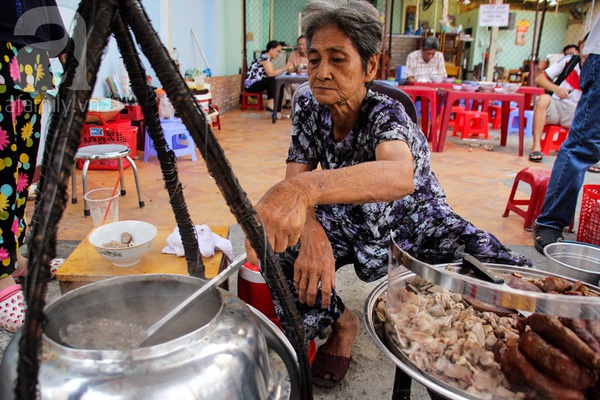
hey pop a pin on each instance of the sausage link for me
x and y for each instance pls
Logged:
(546, 388)
(554, 362)
(551, 329)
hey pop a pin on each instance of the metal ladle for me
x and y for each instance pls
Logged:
(197, 295)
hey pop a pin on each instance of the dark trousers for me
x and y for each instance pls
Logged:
(265, 83)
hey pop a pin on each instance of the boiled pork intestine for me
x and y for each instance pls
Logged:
(443, 336)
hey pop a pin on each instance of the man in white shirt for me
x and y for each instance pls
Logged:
(558, 108)
(422, 64)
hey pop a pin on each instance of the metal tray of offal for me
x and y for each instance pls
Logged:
(380, 332)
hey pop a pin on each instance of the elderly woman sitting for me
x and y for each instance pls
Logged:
(375, 178)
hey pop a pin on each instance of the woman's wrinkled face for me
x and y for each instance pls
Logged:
(335, 70)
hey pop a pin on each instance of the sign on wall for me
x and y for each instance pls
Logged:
(522, 28)
(493, 14)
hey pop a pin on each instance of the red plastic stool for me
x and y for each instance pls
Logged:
(495, 112)
(455, 111)
(549, 143)
(259, 102)
(471, 123)
(253, 290)
(537, 178)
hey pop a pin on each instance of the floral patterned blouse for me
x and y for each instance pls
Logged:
(423, 223)
(256, 72)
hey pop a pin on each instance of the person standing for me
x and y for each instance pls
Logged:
(261, 74)
(579, 151)
(25, 77)
(422, 64)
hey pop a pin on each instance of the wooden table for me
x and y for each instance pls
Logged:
(282, 80)
(429, 107)
(454, 96)
(85, 265)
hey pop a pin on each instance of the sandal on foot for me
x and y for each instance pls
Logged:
(543, 236)
(595, 169)
(12, 308)
(536, 156)
(326, 364)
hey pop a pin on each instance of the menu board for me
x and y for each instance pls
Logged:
(493, 14)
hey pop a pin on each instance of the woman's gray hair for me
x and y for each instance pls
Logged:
(356, 18)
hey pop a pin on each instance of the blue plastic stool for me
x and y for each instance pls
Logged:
(178, 138)
(513, 122)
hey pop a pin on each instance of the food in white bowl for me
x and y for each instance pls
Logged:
(449, 80)
(487, 86)
(104, 237)
(470, 88)
(512, 87)
(499, 90)
(457, 87)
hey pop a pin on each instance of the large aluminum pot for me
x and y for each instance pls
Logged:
(220, 348)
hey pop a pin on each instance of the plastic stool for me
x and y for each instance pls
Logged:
(259, 102)
(455, 110)
(471, 123)
(103, 152)
(178, 139)
(513, 122)
(495, 111)
(548, 142)
(537, 179)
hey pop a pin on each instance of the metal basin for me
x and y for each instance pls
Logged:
(579, 261)
(219, 348)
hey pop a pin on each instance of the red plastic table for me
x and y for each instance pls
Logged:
(454, 96)
(429, 97)
(529, 92)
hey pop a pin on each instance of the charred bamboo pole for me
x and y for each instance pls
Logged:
(65, 131)
(168, 162)
(220, 169)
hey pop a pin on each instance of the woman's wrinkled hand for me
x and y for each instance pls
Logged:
(315, 263)
(282, 212)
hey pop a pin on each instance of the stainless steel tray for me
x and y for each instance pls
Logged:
(378, 331)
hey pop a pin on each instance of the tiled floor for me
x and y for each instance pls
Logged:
(477, 181)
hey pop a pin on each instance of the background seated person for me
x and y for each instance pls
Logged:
(374, 178)
(558, 108)
(422, 64)
(261, 73)
(298, 63)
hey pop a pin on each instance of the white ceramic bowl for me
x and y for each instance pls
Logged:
(487, 86)
(142, 232)
(470, 88)
(499, 90)
(512, 87)
(457, 87)
(449, 80)
(575, 260)
(437, 79)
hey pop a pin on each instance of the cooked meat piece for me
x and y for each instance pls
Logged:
(519, 370)
(593, 326)
(554, 284)
(484, 307)
(551, 329)
(579, 326)
(554, 362)
(519, 283)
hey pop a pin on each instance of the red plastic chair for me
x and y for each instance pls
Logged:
(549, 142)
(471, 123)
(246, 105)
